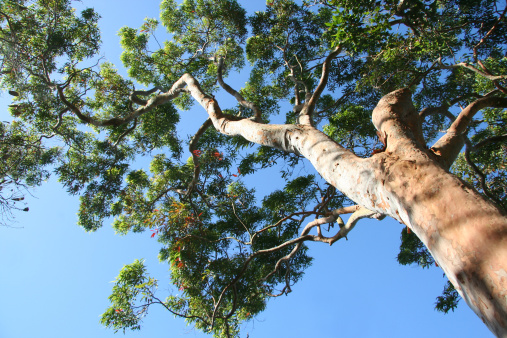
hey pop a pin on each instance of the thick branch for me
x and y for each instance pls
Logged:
(449, 146)
(396, 119)
(152, 103)
(337, 165)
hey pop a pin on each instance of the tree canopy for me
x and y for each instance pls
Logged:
(311, 64)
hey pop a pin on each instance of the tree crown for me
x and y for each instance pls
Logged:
(324, 63)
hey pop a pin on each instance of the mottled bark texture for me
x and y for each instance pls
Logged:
(466, 234)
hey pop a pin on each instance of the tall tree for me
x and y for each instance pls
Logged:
(412, 68)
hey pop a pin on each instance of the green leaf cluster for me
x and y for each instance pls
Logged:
(132, 285)
(25, 164)
(228, 248)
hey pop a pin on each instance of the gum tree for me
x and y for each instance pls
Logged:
(366, 87)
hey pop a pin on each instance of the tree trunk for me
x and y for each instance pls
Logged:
(465, 233)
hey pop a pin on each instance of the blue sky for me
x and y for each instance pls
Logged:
(55, 278)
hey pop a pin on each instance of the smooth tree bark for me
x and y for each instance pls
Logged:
(465, 233)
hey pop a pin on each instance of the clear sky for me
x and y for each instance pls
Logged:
(55, 278)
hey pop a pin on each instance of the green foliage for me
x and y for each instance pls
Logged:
(25, 162)
(413, 251)
(111, 91)
(295, 196)
(228, 249)
(286, 34)
(449, 299)
(209, 243)
(343, 126)
(200, 30)
(132, 285)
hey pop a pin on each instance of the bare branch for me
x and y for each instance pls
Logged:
(352, 221)
(158, 301)
(135, 99)
(461, 123)
(241, 100)
(192, 147)
(443, 110)
(306, 213)
(292, 76)
(495, 26)
(307, 112)
(334, 216)
(487, 141)
(152, 103)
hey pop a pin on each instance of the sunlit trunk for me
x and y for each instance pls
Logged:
(465, 233)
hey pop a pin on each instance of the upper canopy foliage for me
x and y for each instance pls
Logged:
(227, 251)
